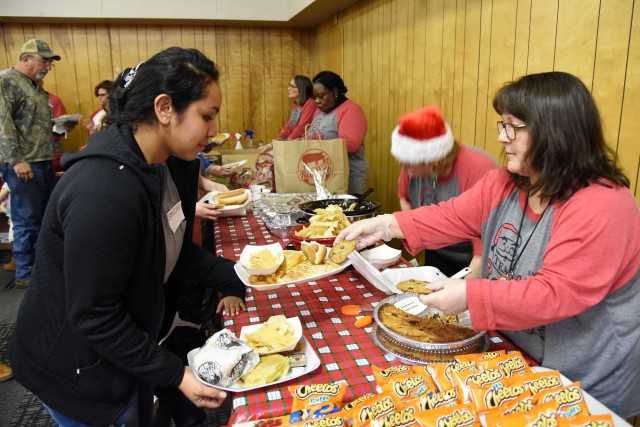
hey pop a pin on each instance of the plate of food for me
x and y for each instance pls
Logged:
(272, 368)
(229, 202)
(67, 118)
(262, 259)
(395, 276)
(296, 268)
(276, 335)
(233, 165)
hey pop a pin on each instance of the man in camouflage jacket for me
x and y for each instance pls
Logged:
(25, 146)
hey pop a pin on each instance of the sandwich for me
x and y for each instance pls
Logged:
(315, 252)
(233, 197)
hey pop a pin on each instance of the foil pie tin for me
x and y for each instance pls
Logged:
(422, 352)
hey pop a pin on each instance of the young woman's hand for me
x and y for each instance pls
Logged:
(201, 395)
(450, 296)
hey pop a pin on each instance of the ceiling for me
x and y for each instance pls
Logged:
(294, 13)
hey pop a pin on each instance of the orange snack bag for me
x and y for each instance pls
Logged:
(383, 376)
(543, 415)
(450, 416)
(537, 381)
(315, 400)
(604, 420)
(495, 397)
(373, 408)
(476, 357)
(414, 385)
(329, 421)
(405, 417)
(353, 403)
(510, 363)
(522, 403)
(443, 373)
(451, 397)
(486, 378)
(570, 399)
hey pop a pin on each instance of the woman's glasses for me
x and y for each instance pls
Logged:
(509, 128)
(292, 87)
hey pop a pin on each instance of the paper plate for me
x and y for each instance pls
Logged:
(297, 333)
(274, 248)
(233, 165)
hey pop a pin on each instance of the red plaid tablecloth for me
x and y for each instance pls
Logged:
(346, 353)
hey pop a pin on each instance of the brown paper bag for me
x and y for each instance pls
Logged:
(328, 154)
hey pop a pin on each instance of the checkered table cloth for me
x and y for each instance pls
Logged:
(346, 353)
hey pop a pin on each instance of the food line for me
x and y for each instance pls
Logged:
(346, 352)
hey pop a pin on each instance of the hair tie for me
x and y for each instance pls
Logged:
(131, 74)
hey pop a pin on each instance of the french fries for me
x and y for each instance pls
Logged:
(328, 222)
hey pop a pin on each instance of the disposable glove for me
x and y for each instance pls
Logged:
(368, 231)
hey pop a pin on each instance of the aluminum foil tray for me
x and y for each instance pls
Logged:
(427, 348)
(411, 356)
(280, 212)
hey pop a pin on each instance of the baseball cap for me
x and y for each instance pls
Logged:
(40, 47)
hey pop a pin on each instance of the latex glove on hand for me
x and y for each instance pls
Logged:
(450, 296)
(366, 232)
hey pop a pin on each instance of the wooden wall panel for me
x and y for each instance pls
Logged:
(256, 64)
(458, 53)
(394, 55)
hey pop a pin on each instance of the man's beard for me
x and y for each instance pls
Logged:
(40, 75)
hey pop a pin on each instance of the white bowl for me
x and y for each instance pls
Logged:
(297, 333)
(382, 256)
(249, 250)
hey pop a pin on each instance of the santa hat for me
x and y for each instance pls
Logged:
(421, 136)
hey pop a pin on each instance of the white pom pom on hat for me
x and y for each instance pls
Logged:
(422, 136)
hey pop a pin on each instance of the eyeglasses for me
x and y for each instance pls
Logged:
(509, 128)
(292, 87)
(100, 95)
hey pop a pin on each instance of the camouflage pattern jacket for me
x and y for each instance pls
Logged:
(25, 120)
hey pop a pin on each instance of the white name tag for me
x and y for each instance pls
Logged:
(175, 216)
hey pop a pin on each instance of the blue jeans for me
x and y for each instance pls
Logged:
(136, 413)
(28, 201)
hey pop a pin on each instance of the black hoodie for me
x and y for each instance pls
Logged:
(88, 326)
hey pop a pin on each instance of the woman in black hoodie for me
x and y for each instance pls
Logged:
(115, 248)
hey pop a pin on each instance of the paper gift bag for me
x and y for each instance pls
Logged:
(329, 155)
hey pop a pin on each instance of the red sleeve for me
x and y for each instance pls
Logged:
(57, 107)
(593, 250)
(352, 125)
(286, 130)
(403, 184)
(309, 110)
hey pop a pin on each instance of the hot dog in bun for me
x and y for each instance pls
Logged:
(233, 197)
(315, 252)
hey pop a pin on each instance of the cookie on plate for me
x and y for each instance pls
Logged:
(413, 285)
(340, 251)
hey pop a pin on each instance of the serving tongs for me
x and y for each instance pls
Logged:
(413, 305)
(360, 198)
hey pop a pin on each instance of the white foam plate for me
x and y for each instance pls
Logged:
(233, 165)
(297, 333)
(594, 405)
(228, 210)
(69, 118)
(382, 256)
(313, 361)
(393, 276)
(371, 273)
(244, 276)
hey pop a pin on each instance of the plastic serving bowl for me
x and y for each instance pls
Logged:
(297, 240)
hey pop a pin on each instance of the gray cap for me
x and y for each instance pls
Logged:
(40, 47)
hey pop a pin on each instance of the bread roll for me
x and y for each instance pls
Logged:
(233, 197)
(315, 252)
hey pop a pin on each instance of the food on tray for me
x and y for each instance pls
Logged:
(292, 258)
(315, 252)
(233, 197)
(420, 328)
(262, 259)
(224, 359)
(270, 368)
(339, 252)
(301, 268)
(413, 285)
(328, 222)
(275, 334)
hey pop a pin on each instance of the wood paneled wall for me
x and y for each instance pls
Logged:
(394, 56)
(400, 55)
(256, 64)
